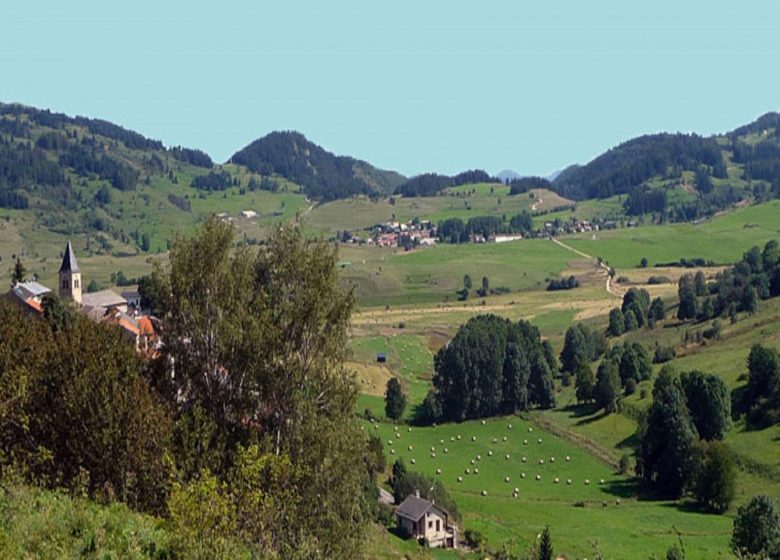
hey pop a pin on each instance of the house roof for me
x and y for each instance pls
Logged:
(103, 298)
(27, 290)
(145, 325)
(413, 508)
(69, 262)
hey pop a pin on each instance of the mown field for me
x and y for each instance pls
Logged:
(586, 504)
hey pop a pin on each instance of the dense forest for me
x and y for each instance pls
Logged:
(431, 184)
(322, 175)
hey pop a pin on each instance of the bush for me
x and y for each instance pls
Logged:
(625, 463)
(630, 387)
(757, 529)
(654, 280)
(475, 539)
(664, 354)
(714, 483)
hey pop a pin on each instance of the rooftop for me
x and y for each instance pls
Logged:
(103, 298)
(414, 508)
(69, 262)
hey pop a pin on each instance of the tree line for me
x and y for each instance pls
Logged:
(431, 184)
(455, 230)
(492, 366)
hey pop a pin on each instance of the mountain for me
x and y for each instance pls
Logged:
(322, 174)
(508, 175)
(750, 152)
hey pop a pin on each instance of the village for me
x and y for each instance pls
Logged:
(103, 306)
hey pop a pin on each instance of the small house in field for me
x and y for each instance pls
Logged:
(381, 358)
(425, 521)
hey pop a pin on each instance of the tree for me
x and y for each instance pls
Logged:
(255, 348)
(93, 286)
(757, 529)
(631, 321)
(516, 373)
(19, 273)
(544, 548)
(715, 477)
(584, 383)
(634, 363)
(668, 440)
(485, 285)
(700, 284)
(467, 282)
(617, 322)
(607, 390)
(709, 403)
(395, 400)
(687, 295)
(575, 350)
(643, 263)
(763, 372)
(657, 309)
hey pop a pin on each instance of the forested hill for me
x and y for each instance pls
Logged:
(748, 156)
(322, 174)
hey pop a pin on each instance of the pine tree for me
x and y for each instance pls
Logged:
(19, 272)
(544, 550)
(395, 400)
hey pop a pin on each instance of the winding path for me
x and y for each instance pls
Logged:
(612, 290)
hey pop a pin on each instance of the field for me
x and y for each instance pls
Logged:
(581, 514)
(722, 239)
(482, 199)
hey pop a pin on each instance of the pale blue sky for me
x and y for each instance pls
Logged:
(412, 85)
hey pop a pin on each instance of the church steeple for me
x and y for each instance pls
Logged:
(70, 276)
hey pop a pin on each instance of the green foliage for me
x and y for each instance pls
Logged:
(617, 322)
(19, 272)
(757, 529)
(86, 416)
(395, 400)
(608, 388)
(709, 402)
(668, 440)
(715, 477)
(584, 383)
(405, 483)
(581, 346)
(688, 307)
(544, 548)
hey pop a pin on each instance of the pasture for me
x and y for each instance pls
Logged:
(517, 468)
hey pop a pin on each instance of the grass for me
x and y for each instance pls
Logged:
(43, 524)
(575, 513)
(722, 239)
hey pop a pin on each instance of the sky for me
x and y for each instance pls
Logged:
(409, 85)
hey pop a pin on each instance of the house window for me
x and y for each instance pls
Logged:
(64, 284)
(430, 524)
(76, 283)
(438, 525)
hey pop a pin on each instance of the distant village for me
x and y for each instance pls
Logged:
(104, 306)
(424, 233)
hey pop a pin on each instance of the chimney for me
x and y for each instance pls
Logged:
(417, 493)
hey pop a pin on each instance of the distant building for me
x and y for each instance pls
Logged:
(381, 358)
(133, 298)
(70, 276)
(424, 520)
(248, 214)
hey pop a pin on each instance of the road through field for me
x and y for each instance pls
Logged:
(610, 289)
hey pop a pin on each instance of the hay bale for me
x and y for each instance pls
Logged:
(509, 426)
(540, 440)
(441, 442)
(433, 455)
(504, 438)
(395, 428)
(490, 453)
(506, 479)
(601, 481)
(412, 461)
(473, 461)
(460, 479)
(397, 435)
(479, 457)
(530, 429)
(517, 490)
(452, 440)
(438, 471)
(476, 471)
(409, 448)
(524, 459)
(458, 436)
(392, 452)
(389, 442)
(507, 457)
(556, 480)
(587, 482)
(568, 458)
(468, 471)
(445, 450)
(409, 430)
(617, 502)
(522, 475)
(568, 481)
(538, 477)
(473, 438)
(433, 449)
(552, 459)
(484, 492)
(541, 461)
(483, 422)
(495, 440)
(525, 442)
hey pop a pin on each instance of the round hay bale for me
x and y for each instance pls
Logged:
(525, 442)
(479, 457)
(392, 452)
(524, 459)
(507, 457)
(495, 440)
(540, 440)
(587, 482)
(484, 492)
(408, 429)
(601, 481)
(397, 435)
(568, 481)
(389, 442)
(505, 438)
(476, 471)
(409, 448)
(517, 490)
(452, 440)
(530, 429)
(433, 455)
(458, 436)
(473, 438)
(509, 426)
(460, 479)
(441, 442)
(568, 459)
(506, 479)
(552, 459)
(473, 461)
(468, 471)
(483, 422)
(433, 449)
(522, 475)
(556, 480)
(412, 461)
(617, 501)
(490, 453)
(541, 461)
(438, 471)
(538, 477)
(445, 450)
(395, 428)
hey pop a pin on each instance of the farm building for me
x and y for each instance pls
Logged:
(422, 519)
(381, 358)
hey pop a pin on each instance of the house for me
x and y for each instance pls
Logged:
(29, 295)
(133, 298)
(424, 520)
(381, 358)
(248, 214)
